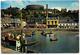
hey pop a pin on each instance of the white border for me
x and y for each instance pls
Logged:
(44, 53)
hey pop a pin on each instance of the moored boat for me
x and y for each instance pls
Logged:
(52, 37)
(43, 33)
(33, 33)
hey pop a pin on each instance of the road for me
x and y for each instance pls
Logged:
(7, 50)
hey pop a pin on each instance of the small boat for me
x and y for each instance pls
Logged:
(43, 33)
(52, 37)
(33, 33)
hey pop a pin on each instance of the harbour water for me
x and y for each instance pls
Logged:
(68, 42)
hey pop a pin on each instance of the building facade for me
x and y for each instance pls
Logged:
(52, 23)
(10, 22)
(68, 23)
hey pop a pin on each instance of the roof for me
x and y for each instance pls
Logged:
(67, 21)
(34, 7)
(10, 20)
(52, 18)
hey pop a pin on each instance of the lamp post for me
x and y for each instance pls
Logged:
(22, 38)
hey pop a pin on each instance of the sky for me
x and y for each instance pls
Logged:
(58, 4)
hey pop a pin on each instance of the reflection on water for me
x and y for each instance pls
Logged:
(67, 42)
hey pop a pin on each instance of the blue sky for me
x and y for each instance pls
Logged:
(69, 4)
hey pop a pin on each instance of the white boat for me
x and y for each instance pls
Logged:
(52, 37)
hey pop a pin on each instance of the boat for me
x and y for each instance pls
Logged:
(43, 33)
(33, 33)
(52, 37)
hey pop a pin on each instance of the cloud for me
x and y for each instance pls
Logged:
(75, 5)
(59, 8)
(18, 0)
(40, 0)
(17, 3)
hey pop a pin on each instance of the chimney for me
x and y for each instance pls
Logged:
(46, 11)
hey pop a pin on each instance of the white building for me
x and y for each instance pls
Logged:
(68, 24)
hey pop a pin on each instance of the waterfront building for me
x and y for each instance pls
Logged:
(10, 22)
(40, 26)
(52, 22)
(68, 24)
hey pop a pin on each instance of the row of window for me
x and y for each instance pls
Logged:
(68, 27)
(73, 24)
(52, 22)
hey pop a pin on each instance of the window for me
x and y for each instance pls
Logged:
(52, 22)
(55, 22)
(48, 22)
